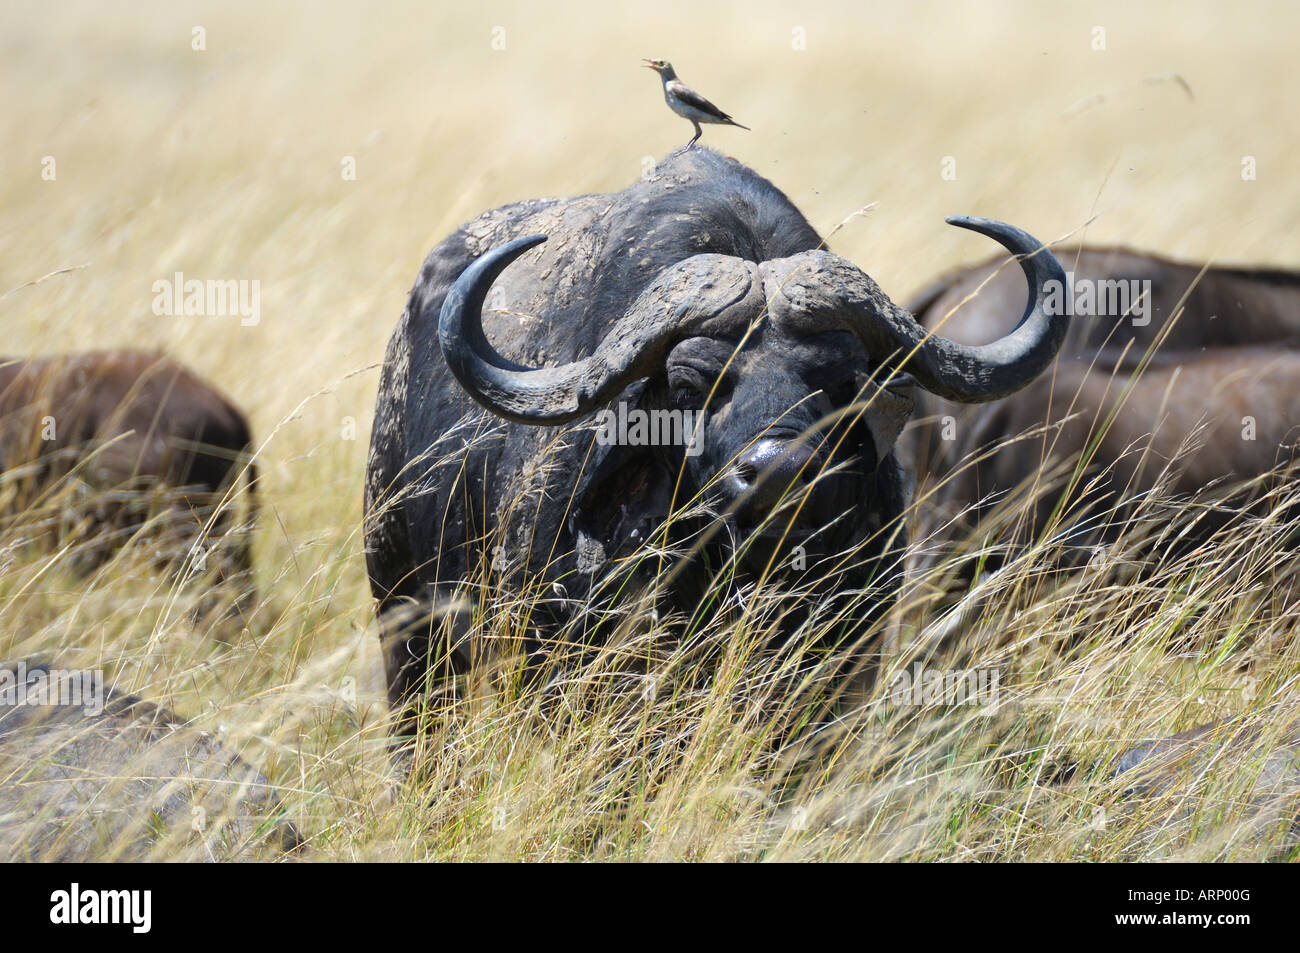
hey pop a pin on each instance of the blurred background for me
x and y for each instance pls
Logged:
(228, 161)
(323, 149)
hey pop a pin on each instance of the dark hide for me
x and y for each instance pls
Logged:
(112, 438)
(1221, 384)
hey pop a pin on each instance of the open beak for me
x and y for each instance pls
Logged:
(650, 64)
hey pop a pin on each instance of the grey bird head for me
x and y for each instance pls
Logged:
(662, 67)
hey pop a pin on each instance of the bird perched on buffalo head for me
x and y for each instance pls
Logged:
(687, 103)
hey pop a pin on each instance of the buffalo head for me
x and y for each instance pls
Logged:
(797, 374)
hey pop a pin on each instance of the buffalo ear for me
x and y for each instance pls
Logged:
(889, 408)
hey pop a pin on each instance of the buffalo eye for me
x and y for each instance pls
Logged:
(843, 392)
(687, 388)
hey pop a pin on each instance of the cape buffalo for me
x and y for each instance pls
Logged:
(106, 440)
(700, 289)
(1162, 360)
(1121, 296)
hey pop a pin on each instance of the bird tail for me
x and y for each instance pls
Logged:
(734, 123)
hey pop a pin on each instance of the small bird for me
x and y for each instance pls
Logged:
(687, 103)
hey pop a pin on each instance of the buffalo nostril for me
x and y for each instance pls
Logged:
(767, 471)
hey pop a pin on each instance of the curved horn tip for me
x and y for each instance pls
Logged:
(966, 221)
(1009, 236)
(494, 261)
(473, 283)
(517, 246)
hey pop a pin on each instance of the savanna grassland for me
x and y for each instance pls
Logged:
(234, 162)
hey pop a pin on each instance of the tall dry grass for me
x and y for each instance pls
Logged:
(225, 163)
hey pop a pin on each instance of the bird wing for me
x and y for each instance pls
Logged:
(691, 98)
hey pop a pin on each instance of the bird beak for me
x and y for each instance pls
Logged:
(650, 64)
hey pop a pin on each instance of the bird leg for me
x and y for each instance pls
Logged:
(694, 139)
